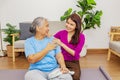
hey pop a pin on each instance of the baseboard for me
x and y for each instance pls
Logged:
(98, 51)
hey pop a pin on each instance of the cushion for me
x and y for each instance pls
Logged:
(24, 30)
(56, 26)
(115, 45)
(19, 44)
(53, 25)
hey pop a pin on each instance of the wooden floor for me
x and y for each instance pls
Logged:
(91, 60)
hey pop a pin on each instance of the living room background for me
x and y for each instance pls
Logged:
(16, 11)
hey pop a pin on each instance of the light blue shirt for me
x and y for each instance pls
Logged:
(48, 63)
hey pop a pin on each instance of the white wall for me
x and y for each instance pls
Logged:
(15, 11)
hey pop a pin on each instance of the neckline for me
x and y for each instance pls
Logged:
(39, 39)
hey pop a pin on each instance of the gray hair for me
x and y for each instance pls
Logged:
(37, 22)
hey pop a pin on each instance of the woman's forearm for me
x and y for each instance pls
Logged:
(70, 51)
(38, 56)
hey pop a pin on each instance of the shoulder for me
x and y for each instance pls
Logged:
(60, 33)
(29, 39)
(82, 36)
(49, 38)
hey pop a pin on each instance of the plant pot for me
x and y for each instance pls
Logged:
(9, 51)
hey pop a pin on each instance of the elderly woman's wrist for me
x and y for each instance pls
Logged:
(63, 66)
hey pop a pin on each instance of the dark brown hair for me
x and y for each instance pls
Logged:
(75, 18)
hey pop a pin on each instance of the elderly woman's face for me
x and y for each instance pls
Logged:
(45, 28)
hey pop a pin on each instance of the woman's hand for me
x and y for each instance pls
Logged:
(64, 70)
(57, 41)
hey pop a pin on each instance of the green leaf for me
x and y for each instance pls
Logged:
(66, 14)
(62, 18)
(91, 2)
(8, 31)
(80, 13)
(90, 17)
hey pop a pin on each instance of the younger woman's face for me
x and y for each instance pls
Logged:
(70, 25)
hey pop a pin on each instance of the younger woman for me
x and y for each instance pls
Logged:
(71, 41)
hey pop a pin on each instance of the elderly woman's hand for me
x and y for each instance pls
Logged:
(51, 46)
(64, 70)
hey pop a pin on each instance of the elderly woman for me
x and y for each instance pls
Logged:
(43, 54)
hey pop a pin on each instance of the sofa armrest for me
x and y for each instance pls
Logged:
(13, 37)
(15, 34)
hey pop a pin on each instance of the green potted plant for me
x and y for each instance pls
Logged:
(8, 31)
(90, 17)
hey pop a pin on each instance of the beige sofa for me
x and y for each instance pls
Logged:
(114, 46)
(18, 46)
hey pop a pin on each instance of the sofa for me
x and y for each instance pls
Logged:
(114, 44)
(18, 46)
